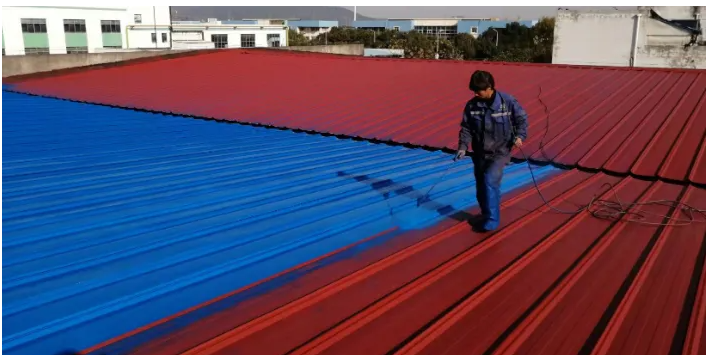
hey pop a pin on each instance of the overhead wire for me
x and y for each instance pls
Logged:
(615, 209)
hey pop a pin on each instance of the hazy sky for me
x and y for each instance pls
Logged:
(510, 12)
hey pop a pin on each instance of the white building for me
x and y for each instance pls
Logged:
(659, 36)
(64, 29)
(228, 34)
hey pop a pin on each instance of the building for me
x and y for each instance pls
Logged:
(312, 28)
(62, 29)
(229, 34)
(446, 27)
(661, 36)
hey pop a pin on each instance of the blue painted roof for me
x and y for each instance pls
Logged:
(113, 218)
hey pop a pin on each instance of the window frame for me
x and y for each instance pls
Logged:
(33, 25)
(110, 26)
(273, 35)
(250, 35)
(74, 26)
(218, 44)
(36, 51)
(76, 50)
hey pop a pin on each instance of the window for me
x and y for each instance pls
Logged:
(442, 31)
(76, 50)
(396, 28)
(474, 30)
(36, 50)
(274, 40)
(116, 47)
(110, 26)
(34, 25)
(138, 18)
(164, 38)
(74, 26)
(220, 41)
(248, 41)
(154, 37)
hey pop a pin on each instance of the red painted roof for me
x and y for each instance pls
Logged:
(545, 283)
(648, 123)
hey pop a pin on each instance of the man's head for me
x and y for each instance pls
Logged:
(482, 84)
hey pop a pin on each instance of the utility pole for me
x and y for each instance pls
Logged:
(437, 45)
(154, 24)
(354, 14)
(496, 44)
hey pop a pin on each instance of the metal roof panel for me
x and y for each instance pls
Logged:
(114, 219)
(614, 119)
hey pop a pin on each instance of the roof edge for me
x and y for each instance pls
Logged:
(59, 72)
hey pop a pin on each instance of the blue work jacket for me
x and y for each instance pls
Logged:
(491, 130)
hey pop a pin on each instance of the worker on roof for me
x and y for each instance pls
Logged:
(493, 123)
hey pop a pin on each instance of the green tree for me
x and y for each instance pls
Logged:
(465, 45)
(297, 39)
(418, 45)
(543, 40)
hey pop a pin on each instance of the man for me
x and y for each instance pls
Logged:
(493, 122)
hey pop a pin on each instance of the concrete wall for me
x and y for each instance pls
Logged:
(21, 65)
(343, 49)
(607, 39)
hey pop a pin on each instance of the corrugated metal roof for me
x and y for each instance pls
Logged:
(546, 283)
(644, 122)
(113, 219)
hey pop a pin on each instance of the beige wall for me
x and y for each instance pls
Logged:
(344, 49)
(30, 64)
(606, 38)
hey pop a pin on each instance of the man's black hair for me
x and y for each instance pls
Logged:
(481, 80)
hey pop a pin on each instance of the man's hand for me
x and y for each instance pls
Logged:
(460, 154)
(518, 143)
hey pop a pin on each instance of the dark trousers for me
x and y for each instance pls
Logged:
(488, 173)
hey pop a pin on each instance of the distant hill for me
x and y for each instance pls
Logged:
(344, 16)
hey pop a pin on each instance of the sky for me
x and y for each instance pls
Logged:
(506, 12)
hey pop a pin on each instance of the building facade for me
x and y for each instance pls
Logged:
(63, 29)
(445, 27)
(660, 36)
(68, 30)
(229, 34)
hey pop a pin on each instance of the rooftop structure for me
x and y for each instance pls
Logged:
(229, 34)
(657, 36)
(166, 234)
(445, 27)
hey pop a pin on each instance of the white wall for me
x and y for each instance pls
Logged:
(607, 39)
(55, 16)
(593, 38)
(234, 35)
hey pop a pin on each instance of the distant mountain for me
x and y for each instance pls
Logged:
(344, 16)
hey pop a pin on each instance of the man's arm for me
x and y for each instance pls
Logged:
(465, 135)
(519, 119)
